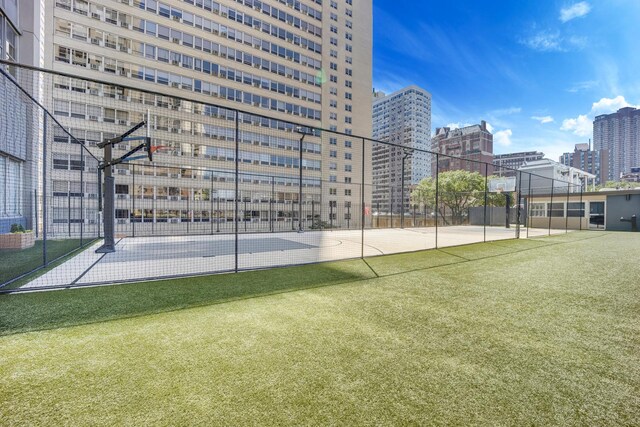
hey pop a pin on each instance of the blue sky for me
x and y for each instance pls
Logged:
(537, 71)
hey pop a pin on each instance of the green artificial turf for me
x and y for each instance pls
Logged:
(545, 332)
(18, 262)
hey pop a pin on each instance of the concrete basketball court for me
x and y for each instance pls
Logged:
(148, 258)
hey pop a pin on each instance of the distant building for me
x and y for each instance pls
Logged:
(545, 175)
(619, 134)
(402, 118)
(19, 119)
(514, 161)
(473, 143)
(633, 176)
(595, 162)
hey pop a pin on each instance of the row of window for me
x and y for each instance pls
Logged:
(121, 19)
(146, 50)
(81, 58)
(75, 162)
(574, 210)
(242, 18)
(272, 11)
(177, 104)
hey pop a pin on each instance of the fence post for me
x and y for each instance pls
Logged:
(486, 190)
(35, 211)
(529, 205)
(81, 194)
(237, 193)
(519, 204)
(437, 194)
(566, 211)
(362, 201)
(133, 200)
(271, 201)
(391, 206)
(45, 217)
(582, 210)
(550, 210)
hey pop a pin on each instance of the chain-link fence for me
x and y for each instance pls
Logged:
(228, 190)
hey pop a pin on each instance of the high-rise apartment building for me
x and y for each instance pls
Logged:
(20, 41)
(513, 161)
(304, 61)
(402, 118)
(592, 161)
(473, 143)
(619, 134)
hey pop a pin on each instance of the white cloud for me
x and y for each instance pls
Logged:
(503, 137)
(610, 105)
(581, 126)
(579, 86)
(545, 41)
(576, 10)
(543, 119)
(553, 41)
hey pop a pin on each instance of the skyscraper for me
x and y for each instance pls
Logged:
(473, 142)
(619, 134)
(404, 119)
(306, 61)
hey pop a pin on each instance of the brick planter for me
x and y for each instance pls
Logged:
(17, 240)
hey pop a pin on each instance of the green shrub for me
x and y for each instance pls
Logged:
(17, 228)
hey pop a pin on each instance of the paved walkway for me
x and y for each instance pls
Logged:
(147, 258)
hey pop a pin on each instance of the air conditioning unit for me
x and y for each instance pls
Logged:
(95, 15)
(174, 198)
(96, 41)
(92, 196)
(123, 172)
(175, 40)
(174, 175)
(94, 91)
(122, 122)
(122, 221)
(91, 221)
(93, 118)
(174, 220)
(122, 196)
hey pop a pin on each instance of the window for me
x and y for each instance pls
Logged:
(555, 210)
(348, 168)
(538, 210)
(333, 141)
(575, 210)
(347, 192)
(333, 191)
(348, 156)
(333, 153)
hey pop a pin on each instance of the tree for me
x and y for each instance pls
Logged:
(458, 190)
(617, 185)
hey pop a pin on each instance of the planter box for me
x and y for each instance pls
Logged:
(17, 240)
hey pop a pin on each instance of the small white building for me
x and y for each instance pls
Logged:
(547, 174)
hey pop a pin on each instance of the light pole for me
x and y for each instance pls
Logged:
(407, 153)
(303, 132)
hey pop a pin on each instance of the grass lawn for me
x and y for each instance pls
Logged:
(17, 262)
(541, 331)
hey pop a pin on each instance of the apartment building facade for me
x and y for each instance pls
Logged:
(513, 161)
(619, 134)
(403, 119)
(474, 143)
(20, 41)
(306, 62)
(595, 162)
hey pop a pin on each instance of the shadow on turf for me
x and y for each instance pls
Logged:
(49, 310)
